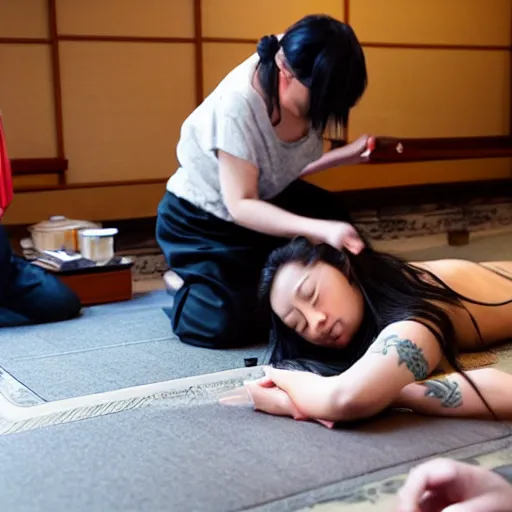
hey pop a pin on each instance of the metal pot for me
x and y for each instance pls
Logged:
(59, 233)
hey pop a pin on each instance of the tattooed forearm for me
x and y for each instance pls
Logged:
(408, 353)
(445, 390)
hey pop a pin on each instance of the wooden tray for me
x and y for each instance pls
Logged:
(108, 285)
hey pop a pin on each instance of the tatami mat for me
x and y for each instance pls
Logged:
(211, 457)
(101, 352)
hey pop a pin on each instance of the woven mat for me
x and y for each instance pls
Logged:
(470, 361)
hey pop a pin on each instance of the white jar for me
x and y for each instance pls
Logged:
(98, 244)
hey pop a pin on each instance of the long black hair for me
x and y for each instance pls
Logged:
(324, 54)
(393, 291)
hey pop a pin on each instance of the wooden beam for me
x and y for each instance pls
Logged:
(373, 44)
(346, 11)
(432, 46)
(346, 14)
(124, 39)
(34, 166)
(57, 89)
(402, 150)
(198, 38)
(97, 184)
(24, 40)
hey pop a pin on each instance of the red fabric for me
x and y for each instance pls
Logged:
(6, 191)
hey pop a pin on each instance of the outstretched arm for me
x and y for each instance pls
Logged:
(404, 353)
(452, 395)
(352, 154)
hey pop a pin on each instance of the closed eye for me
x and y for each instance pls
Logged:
(307, 292)
(298, 324)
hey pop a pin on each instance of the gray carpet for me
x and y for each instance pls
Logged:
(103, 352)
(212, 458)
(154, 299)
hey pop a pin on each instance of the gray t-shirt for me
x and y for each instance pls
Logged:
(234, 119)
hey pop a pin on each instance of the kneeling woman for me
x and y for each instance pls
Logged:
(367, 331)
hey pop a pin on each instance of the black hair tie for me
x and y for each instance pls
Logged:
(268, 46)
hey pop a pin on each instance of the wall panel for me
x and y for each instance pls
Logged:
(219, 59)
(435, 93)
(471, 22)
(96, 204)
(26, 100)
(123, 108)
(251, 20)
(24, 18)
(143, 18)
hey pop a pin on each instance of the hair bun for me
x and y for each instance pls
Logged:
(268, 46)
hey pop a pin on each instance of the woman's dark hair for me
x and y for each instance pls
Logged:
(392, 290)
(324, 55)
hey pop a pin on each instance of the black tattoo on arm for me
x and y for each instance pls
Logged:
(445, 390)
(408, 353)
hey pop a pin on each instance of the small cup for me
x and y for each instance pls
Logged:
(98, 244)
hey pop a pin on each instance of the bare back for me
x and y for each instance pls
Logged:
(488, 282)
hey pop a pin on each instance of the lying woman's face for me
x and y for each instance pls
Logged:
(318, 303)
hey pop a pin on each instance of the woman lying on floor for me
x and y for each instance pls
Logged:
(367, 331)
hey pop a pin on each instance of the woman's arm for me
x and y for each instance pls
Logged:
(404, 353)
(351, 154)
(239, 186)
(452, 395)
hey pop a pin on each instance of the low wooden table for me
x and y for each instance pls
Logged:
(100, 285)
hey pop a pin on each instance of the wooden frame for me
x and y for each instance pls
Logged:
(401, 150)
(453, 148)
(35, 166)
(57, 90)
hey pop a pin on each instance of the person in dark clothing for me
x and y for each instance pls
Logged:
(29, 294)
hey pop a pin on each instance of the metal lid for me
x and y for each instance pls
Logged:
(99, 232)
(60, 223)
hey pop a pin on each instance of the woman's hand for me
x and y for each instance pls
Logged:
(357, 152)
(268, 398)
(443, 484)
(314, 396)
(338, 234)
